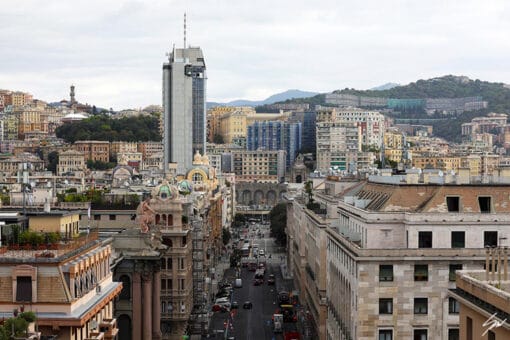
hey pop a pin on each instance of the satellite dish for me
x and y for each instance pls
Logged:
(48, 184)
(126, 184)
(66, 182)
(440, 173)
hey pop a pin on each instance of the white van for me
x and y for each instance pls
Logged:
(238, 283)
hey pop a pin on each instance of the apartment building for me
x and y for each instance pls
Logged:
(117, 147)
(70, 161)
(338, 141)
(394, 249)
(94, 150)
(259, 165)
(149, 149)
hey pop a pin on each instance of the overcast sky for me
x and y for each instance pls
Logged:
(113, 50)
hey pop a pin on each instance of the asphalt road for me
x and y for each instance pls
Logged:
(255, 323)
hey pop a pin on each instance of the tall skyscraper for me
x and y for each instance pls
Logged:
(184, 100)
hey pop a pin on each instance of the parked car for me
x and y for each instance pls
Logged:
(258, 282)
(247, 305)
(271, 280)
(235, 305)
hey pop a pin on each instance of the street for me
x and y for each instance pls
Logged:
(254, 323)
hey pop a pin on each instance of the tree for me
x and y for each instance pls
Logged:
(278, 218)
(19, 324)
(52, 161)
(226, 235)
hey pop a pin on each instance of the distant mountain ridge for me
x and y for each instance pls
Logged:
(279, 97)
(386, 86)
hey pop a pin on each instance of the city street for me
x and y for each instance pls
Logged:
(254, 323)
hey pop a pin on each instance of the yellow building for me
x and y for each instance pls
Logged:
(64, 222)
(213, 120)
(31, 119)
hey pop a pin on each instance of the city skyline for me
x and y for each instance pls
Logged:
(112, 52)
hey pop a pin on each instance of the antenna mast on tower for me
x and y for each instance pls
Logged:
(184, 29)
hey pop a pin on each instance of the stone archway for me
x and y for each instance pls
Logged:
(246, 197)
(258, 197)
(299, 179)
(271, 198)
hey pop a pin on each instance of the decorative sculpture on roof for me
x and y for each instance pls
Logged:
(146, 216)
(185, 187)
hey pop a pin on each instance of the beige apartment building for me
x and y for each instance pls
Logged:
(94, 150)
(121, 147)
(393, 251)
(149, 149)
(262, 165)
(69, 287)
(70, 161)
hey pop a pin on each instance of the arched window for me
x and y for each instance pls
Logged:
(163, 217)
(197, 178)
(157, 218)
(170, 220)
(125, 293)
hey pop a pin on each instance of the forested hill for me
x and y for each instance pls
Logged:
(497, 94)
(100, 127)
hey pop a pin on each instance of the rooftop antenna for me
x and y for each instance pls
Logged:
(184, 29)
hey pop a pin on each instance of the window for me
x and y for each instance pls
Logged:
(113, 217)
(491, 335)
(181, 263)
(452, 202)
(385, 334)
(453, 306)
(453, 268)
(469, 328)
(490, 238)
(485, 204)
(184, 241)
(458, 239)
(181, 284)
(420, 305)
(385, 306)
(24, 288)
(424, 239)
(163, 264)
(97, 217)
(385, 272)
(453, 334)
(421, 272)
(420, 334)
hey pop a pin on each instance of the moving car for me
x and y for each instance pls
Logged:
(235, 305)
(247, 305)
(270, 280)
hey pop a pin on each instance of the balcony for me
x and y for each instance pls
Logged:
(109, 328)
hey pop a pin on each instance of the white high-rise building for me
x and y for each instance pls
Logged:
(184, 100)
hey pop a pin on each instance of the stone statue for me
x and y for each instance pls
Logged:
(146, 216)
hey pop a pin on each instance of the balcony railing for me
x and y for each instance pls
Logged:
(109, 328)
(175, 292)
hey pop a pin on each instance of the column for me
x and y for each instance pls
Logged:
(137, 305)
(147, 306)
(156, 306)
